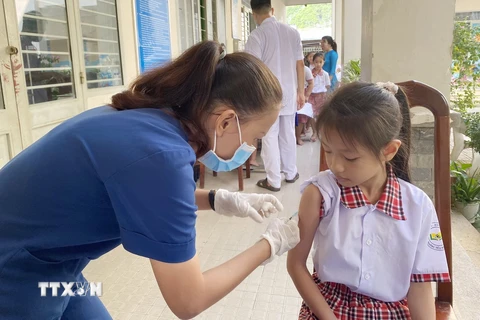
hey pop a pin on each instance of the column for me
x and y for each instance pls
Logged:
(352, 30)
(337, 27)
(280, 10)
(408, 39)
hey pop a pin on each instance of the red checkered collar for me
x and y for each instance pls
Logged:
(315, 72)
(390, 201)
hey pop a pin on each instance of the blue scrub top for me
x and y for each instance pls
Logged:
(100, 179)
(330, 66)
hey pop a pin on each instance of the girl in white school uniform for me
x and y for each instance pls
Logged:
(376, 240)
(309, 60)
(321, 84)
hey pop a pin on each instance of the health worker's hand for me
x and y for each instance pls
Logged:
(282, 235)
(300, 100)
(253, 205)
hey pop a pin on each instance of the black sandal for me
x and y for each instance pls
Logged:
(264, 184)
(294, 179)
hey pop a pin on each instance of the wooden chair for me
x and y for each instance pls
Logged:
(420, 94)
(239, 170)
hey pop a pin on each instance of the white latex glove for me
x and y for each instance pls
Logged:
(253, 205)
(282, 235)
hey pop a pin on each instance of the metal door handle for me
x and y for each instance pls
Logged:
(11, 50)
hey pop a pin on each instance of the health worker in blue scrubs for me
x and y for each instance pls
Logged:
(329, 47)
(123, 174)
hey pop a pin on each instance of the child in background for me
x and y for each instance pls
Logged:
(321, 84)
(377, 244)
(301, 118)
(309, 60)
(339, 74)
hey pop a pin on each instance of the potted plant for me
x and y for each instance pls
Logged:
(466, 193)
(351, 72)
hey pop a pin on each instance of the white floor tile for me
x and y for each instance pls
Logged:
(130, 290)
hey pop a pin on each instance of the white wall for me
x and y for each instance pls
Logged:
(174, 28)
(352, 30)
(404, 40)
(337, 28)
(280, 10)
(467, 5)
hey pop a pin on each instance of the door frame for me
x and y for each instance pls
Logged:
(95, 97)
(9, 115)
(37, 119)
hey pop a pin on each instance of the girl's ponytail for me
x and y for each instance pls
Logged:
(400, 162)
(334, 45)
(331, 42)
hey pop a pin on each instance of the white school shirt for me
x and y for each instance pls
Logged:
(321, 82)
(308, 76)
(377, 250)
(279, 46)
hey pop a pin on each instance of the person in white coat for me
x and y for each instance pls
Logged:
(279, 46)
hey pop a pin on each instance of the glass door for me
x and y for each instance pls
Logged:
(49, 81)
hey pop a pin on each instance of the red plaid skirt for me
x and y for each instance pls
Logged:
(317, 100)
(348, 305)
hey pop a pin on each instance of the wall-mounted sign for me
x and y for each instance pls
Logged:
(153, 33)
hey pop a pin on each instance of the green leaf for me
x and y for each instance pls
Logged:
(310, 16)
(351, 71)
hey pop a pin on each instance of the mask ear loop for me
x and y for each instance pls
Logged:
(239, 131)
(215, 141)
(239, 134)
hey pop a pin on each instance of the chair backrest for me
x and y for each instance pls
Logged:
(420, 94)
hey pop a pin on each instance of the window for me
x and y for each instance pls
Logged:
(100, 43)
(219, 26)
(203, 19)
(214, 20)
(468, 16)
(246, 27)
(189, 23)
(196, 21)
(45, 44)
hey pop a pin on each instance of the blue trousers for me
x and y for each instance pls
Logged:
(20, 295)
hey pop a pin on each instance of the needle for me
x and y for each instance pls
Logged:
(295, 214)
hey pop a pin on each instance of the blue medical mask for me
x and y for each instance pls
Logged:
(217, 164)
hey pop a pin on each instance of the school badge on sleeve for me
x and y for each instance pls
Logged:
(435, 237)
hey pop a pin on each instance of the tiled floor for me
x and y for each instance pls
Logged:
(130, 290)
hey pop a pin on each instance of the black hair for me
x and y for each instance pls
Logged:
(331, 42)
(261, 6)
(369, 115)
(318, 54)
(305, 60)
